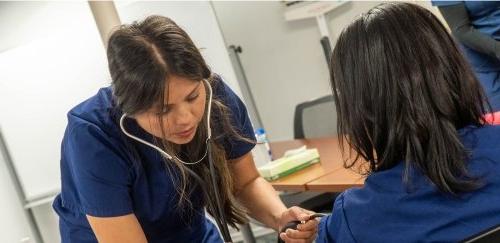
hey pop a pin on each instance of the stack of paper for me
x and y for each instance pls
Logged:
(289, 164)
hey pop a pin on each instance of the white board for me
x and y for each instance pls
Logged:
(40, 81)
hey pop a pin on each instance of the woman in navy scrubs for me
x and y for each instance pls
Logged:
(409, 104)
(134, 156)
(476, 25)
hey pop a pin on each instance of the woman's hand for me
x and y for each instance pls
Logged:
(263, 203)
(305, 232)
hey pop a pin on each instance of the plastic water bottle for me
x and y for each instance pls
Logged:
(262, 151)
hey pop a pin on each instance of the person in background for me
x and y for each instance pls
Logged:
(409, 104)
(135, 158)
(476, 25)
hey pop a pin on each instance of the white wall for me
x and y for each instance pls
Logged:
(284, 61)
(51, 59)
(41, 80)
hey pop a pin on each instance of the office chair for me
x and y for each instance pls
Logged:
(487, 236)
(315, 118)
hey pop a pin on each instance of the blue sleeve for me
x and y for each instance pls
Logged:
(100, 173)
(445, 3)
(235, 147)
(334, 227)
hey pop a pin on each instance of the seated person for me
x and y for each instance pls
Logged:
(409, 104)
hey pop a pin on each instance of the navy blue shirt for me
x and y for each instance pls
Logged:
(106, 174)
(485, 17)
(387, 210)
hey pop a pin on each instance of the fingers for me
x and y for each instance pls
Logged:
(305, 232)
(311, 225)
(287, 239)
(300, 213)
(295, 236)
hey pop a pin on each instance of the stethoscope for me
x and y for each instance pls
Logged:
(220, 220)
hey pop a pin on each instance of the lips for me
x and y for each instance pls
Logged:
(185, 133)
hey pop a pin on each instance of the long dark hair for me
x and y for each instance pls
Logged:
(402, 89)
(142, 56)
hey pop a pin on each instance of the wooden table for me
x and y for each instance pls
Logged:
(328, 175)
(337, 181)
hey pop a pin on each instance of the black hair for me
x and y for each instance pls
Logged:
(142, 57)
(402, 89)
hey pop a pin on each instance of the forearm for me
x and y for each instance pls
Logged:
(263, 202)
(478, 41)
(458, 20)
(117, 229)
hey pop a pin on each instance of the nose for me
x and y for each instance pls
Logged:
(183, 117)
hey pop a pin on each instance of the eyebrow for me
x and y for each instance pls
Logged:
(190, 93)
(195, 88)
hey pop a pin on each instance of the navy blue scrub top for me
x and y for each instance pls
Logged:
(102, 177)
(485, 17)
(387, 210)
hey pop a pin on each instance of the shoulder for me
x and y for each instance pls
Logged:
(94, 124)
(232, 105)
(222, 91)
(235, 111)
(224, 94)
(380, 189)
(483, 147)
(481, 138)
(97, 113)
(335, 227)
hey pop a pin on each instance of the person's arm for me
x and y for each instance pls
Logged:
(102, 178)
(263, 202)
(458, 20)
(335, 227)
(117, 229)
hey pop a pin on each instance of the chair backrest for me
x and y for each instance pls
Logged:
(487, 236)
(315, 118)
